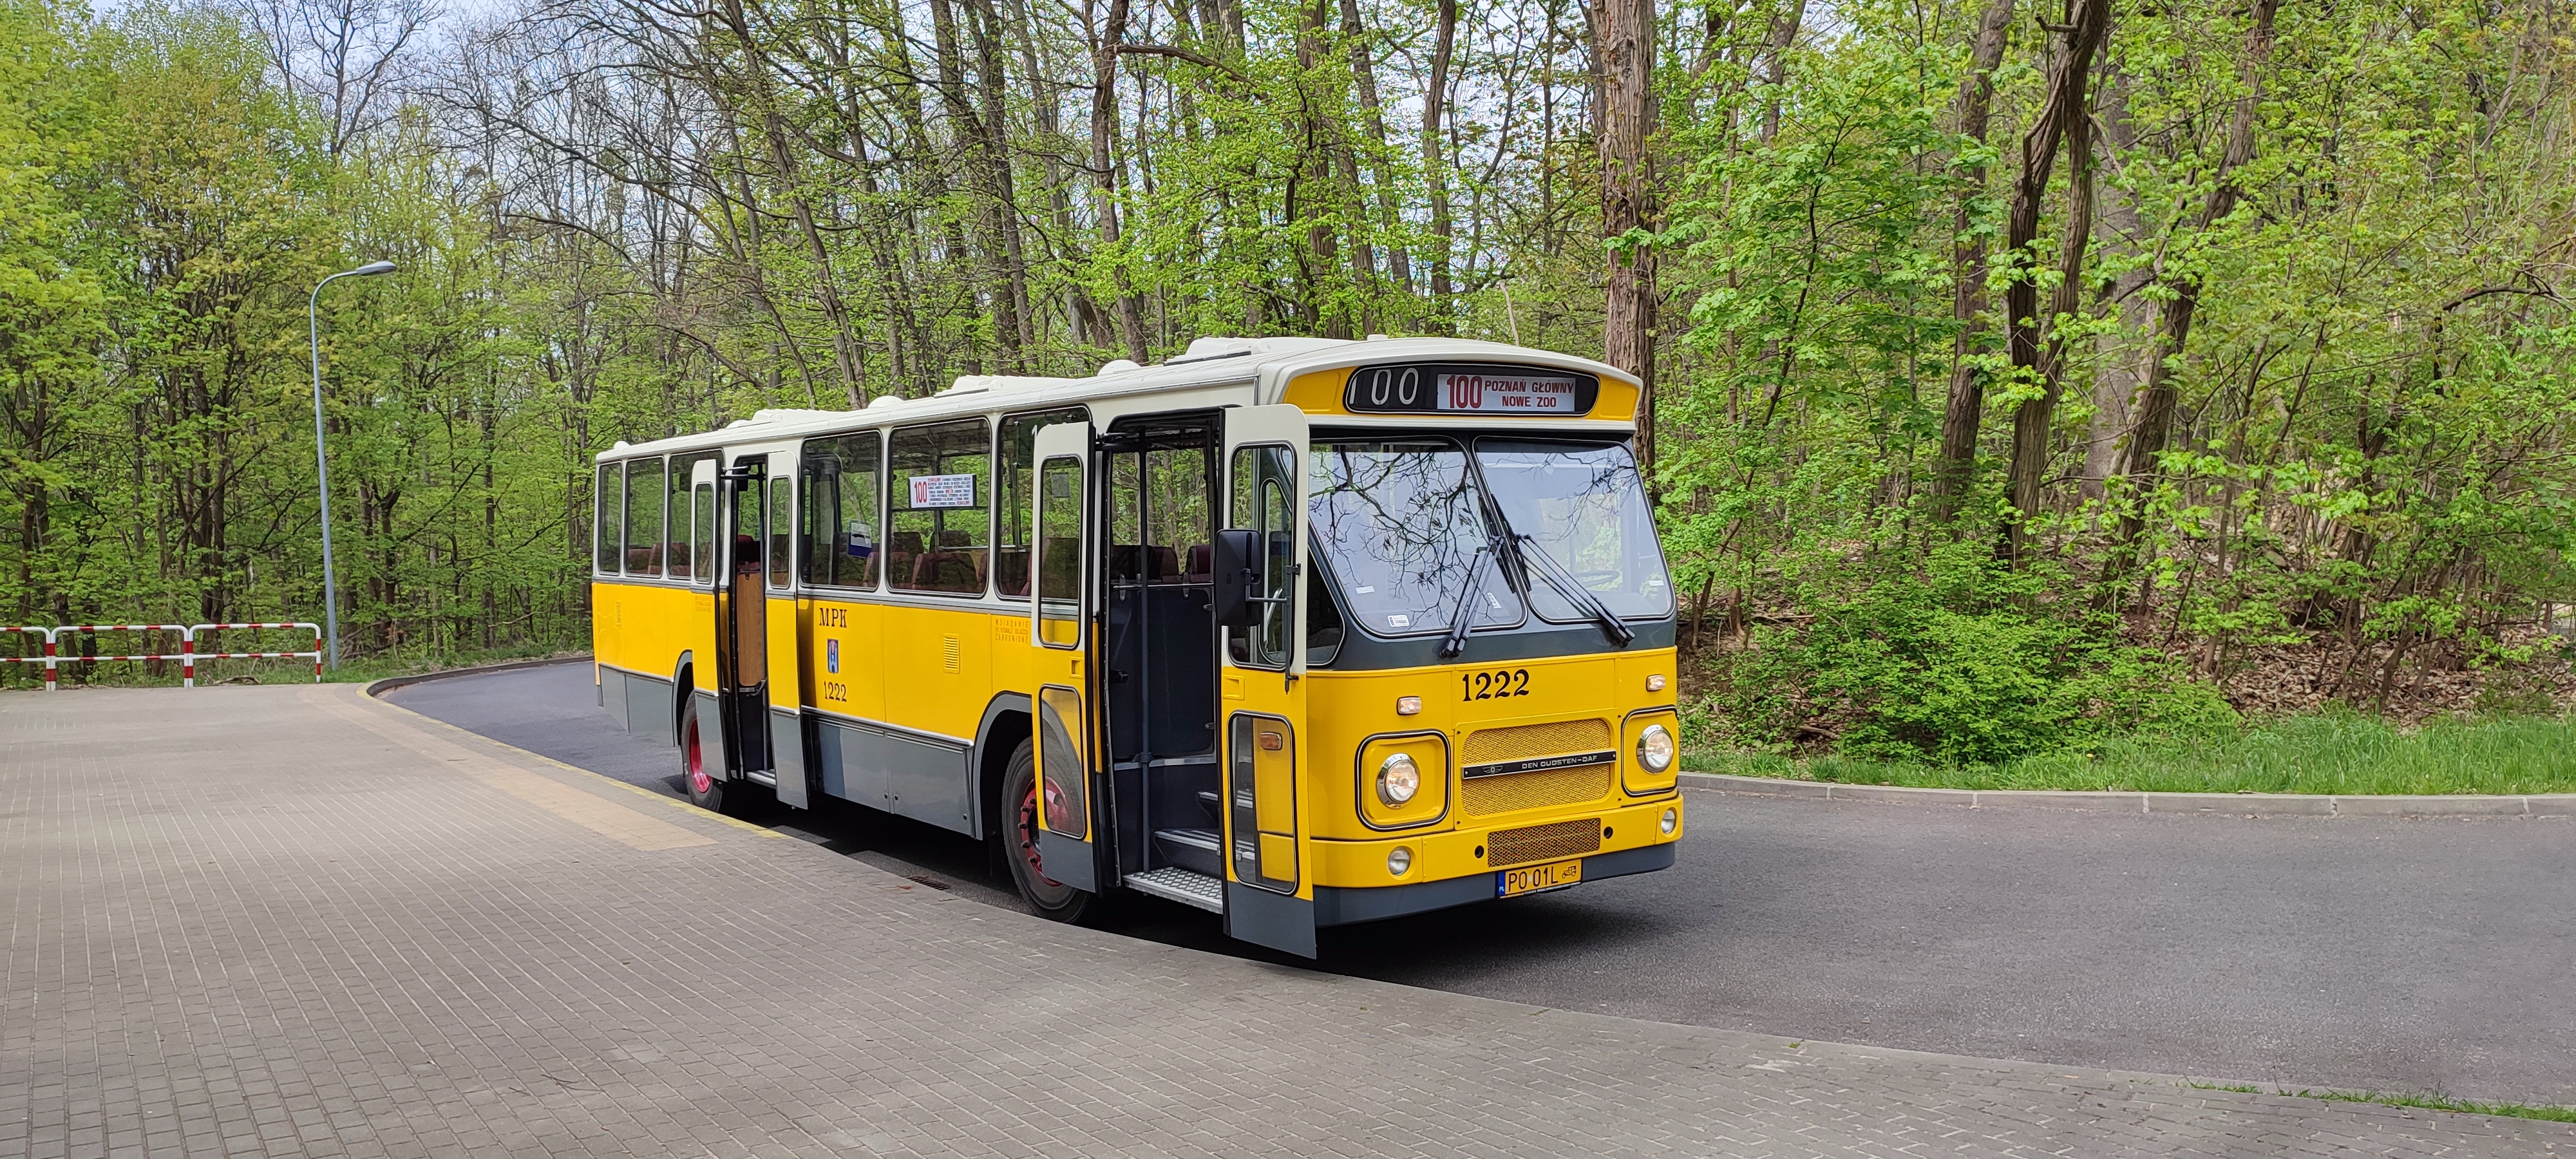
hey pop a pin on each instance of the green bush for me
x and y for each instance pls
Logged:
(1959, 663)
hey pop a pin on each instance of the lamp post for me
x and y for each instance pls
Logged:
(322, 461)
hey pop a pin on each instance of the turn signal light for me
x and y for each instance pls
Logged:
(1408, 705)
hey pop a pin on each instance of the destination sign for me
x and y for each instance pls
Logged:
(942, 491)
(1454, 388)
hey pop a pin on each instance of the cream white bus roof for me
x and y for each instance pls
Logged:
(1266, 364)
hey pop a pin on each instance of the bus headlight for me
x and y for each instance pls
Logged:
(1655, 748)
(1672, 820)
(1398, 780)
(1398, 861)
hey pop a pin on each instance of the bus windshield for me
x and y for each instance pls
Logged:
(1399, 524)
(1581, 504)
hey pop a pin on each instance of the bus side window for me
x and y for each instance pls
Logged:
(1263, 500)
(841, 516)
(644, 517)
(605, 507)
(702, 530)
(675, 521)
(938, 510)
(782, 530)
(1019, 446)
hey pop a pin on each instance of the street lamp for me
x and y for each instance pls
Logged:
(321, 461)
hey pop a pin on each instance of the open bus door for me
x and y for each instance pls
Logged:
(1049, 825)
(1260, 598)
(704, 758)
(782, 692)
(730, 715)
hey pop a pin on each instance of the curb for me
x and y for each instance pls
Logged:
(388, 684)
(2212, 804)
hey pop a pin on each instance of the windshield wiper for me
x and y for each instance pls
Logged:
(1534, 552)
(1463, 620)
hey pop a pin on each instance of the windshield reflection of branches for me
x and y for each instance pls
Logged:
(1584, 507)
(1399, 524)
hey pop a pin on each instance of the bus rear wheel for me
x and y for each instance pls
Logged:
(1051, 898)
(704, 785)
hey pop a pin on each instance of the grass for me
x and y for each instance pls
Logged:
(2423, 1102)
(2340, 753)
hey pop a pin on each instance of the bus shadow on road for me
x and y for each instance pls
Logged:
(1442, 948)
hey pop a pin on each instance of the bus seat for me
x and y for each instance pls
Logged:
(901, 549)
(1013, 579)
(1063, 563)
(1125, 562)
(1202, 563)
(946, 571)
(677, 553)
(1167, 564)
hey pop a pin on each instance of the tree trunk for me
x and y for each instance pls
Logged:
(1626, 49)
(1364, 74)
(2034, 419)
(2065, 105)
(1955, 472)
(1104, 173)
(2156, 403)
(1435, 165)
(2118, 227)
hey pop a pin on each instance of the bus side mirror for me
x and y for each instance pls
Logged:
(1235, 564)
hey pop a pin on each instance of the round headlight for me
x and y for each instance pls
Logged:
(1655, 748)
(1398, 780)
(1672, 820)
(1398, 861)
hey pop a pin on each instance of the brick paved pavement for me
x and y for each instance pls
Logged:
(295, 921)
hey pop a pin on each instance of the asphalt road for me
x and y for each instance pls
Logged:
(2396, 955)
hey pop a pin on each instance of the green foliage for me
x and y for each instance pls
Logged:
(1960, 663)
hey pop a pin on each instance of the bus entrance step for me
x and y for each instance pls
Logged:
(1181, 885)
(1198, 850)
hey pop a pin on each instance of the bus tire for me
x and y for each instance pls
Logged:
(1051, 899)
(704, 785)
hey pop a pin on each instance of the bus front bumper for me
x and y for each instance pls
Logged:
(1344, 905)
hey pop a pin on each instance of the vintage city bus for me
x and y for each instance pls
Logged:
(1303, 632)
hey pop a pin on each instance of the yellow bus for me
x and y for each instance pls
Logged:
(1303, 632)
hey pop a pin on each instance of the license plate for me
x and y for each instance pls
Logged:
(1533, 878)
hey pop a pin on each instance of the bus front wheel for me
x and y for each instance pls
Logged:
(1051, 898)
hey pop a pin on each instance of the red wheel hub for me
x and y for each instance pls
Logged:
(699, 782)
(1028, 835)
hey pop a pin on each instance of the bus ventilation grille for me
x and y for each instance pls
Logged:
(1485, 796)
(1542, 842)
(1526, 741)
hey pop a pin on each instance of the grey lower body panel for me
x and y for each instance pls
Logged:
(926, 780)
(787, 751)
(612, 697)
(1340, 906)
(638, 703)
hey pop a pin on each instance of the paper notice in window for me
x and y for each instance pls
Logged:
(1506, 393)
(942, 491)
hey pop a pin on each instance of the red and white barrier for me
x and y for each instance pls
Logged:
(47, 659)
(189, 677)
(187, 656)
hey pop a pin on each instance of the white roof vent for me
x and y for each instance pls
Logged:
(1118, 366)
(621, 445)
(883, 401)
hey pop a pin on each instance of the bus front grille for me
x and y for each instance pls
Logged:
(1542, 842)
(1522, 742)
(1485, 796)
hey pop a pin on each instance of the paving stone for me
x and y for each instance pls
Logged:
(294, 921)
